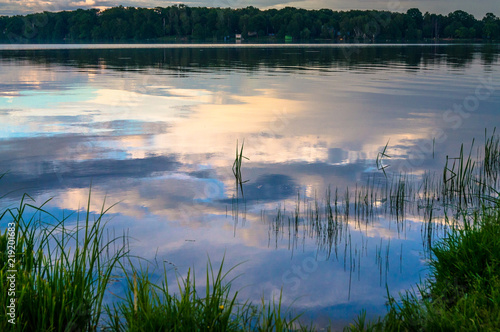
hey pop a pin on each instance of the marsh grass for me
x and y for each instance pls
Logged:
(463, 291)
(491, 156)
(459, 212)
(439, 200)
(151, 307)
(61, 274)
(148, 306)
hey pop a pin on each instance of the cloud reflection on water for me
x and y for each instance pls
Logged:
(157, 133)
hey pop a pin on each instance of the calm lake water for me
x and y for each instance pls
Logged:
(155, 130)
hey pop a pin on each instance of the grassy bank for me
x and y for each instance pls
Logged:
(49, 283)
(463, 291)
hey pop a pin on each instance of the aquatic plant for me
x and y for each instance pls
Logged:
(237, 168)
(466, 184)
(61, 274)
(463, 291)
(380, 157)
(151, 307)
(61, 277)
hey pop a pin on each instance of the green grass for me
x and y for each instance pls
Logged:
(148, 306)
(463, 290)
(62, 275)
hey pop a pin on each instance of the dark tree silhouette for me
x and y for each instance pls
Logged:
(179, 23)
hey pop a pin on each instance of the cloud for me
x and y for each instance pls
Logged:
(479, 9)
(83, 3)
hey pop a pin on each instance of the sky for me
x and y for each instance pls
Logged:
(478, 8)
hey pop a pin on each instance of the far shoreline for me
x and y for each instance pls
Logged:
(76, 46)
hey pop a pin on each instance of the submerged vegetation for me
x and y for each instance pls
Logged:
(56, 273)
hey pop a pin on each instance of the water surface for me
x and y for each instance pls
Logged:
(156, 128)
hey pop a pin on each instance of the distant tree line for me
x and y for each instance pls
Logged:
(128, 24)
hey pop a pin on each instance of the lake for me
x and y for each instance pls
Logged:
(330, 133)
